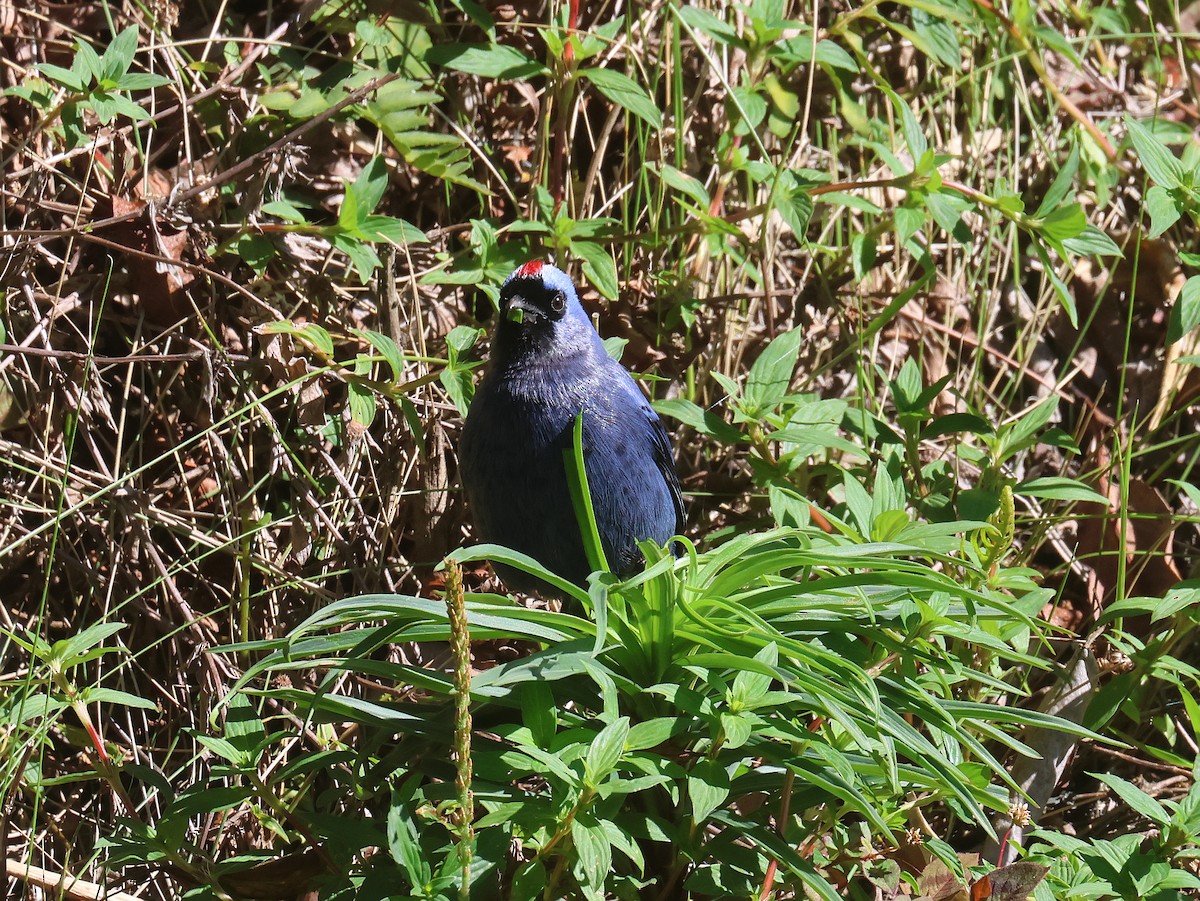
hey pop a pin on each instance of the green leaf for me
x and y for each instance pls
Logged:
(769, 378)
(284, 209)
(255, 250)
(369, 187)
(114, 696)
(1158, 161)
(310, 333)
(749, 686)
(141, 81)
(1061, 186)
(404, 844)
(683, 183)
(708, 787)
(593, 856)
(938, 37)
(224, 748)
(625, 93)
(390, 230)
(706, 422)
(488, 60)
(1064, 222)
(1137, 799)
(831, 55)
(605, 751)
(598, 266)
(387, 349)
(459, 386)
(68, 650)
(1163, 208)
(862, 254)
(119, 56)
(707, 23)
(87, 62)
(1092, 242)
(1060, 488)
(947, 210)
(363, 404)
(65, 77)
(362, 255)
(793, 201)
(1185, 314)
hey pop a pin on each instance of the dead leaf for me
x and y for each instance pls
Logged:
(1014, 882)
(938, 883)
(160, 286)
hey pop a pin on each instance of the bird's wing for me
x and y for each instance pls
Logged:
(664, 459)
(660, 441)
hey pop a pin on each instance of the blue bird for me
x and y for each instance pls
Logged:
(547, 364)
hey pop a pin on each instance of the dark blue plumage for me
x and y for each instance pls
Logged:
(547, 363)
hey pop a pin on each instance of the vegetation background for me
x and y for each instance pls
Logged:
(908, 280)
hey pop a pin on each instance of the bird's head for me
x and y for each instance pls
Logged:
(540, 313)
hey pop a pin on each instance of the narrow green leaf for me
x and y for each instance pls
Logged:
(1061, 186)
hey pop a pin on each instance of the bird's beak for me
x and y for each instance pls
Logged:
(519, 309)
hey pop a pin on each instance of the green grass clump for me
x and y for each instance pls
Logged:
(912, 284)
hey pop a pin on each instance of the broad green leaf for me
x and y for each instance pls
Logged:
(1060, 488)
(387, 349)
(390, 230)
(598, 266)
(1164, 209)
(66, 77)
(707, 23)
(363, 404)
(1156, 158)
(1092, 242)
(593, 856)
(141, 81)
(769, 378)
(404, 844)
(683, 183)
(488, 60)
(1185, 314)
(706, 422)
(1137, 799)
(625, 93)
(1064, 222)
(605, 751)
(707, 787)
(115, 696)
(119, 56)
(938, 37)
(68, 649)
(369, 187)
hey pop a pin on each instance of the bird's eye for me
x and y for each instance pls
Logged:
(558, 302)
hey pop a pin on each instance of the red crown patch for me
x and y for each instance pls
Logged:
(532, 269)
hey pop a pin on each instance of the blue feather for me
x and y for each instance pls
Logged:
(547, 364)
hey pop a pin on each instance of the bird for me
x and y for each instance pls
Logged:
(547, 364)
